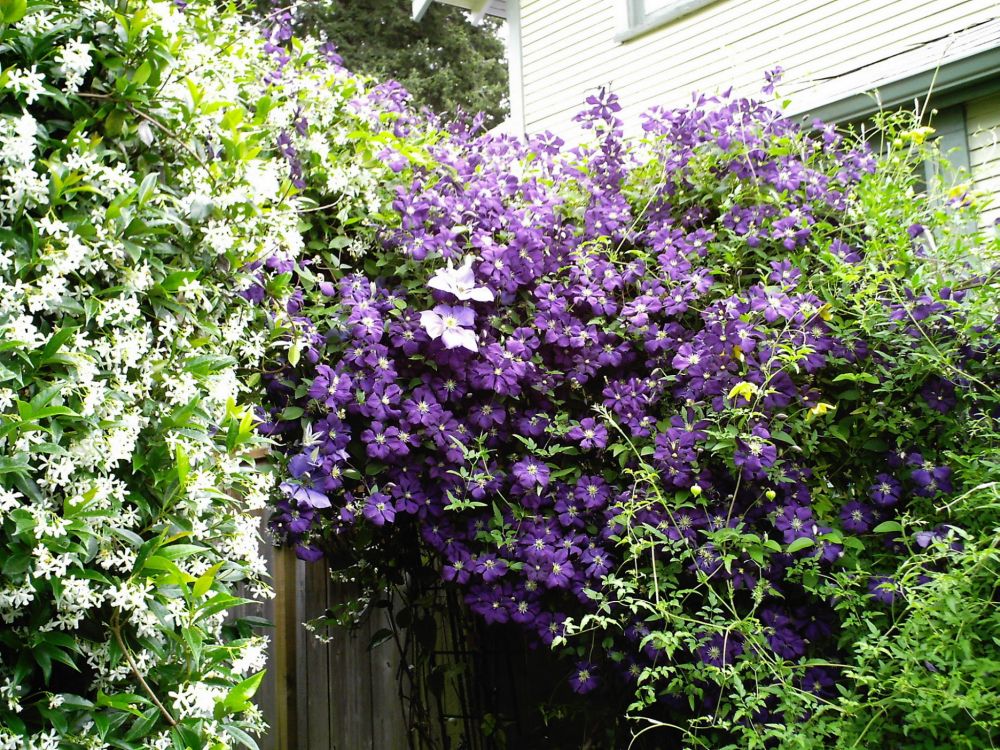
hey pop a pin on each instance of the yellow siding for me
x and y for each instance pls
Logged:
(568, 49)
(982, 117)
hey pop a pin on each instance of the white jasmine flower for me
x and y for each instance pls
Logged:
(74, 61)
(27, 82)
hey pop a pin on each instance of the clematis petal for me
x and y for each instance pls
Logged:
(440, 282)
(432, 323)
(478, 294)
(455, 338)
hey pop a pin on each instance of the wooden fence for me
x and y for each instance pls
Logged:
(316, 695)
(337, 693)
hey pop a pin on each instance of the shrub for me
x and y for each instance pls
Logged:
(688, 409)
(146, 160)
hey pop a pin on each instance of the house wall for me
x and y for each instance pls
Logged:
(568, 48)
(982, 118)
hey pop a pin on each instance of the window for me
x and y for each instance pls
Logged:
(640, 16)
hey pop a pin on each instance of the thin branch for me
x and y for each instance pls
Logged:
(155, 123)
(117, 631)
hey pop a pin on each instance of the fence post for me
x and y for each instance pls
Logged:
(285, 626)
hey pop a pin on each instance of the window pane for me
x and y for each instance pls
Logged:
(651, 6)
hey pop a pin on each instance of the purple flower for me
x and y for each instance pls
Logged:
(305, 496)
(857, 517)
(939, 394)
(886, 491)
(558, 570)
(754, 453)
(457, 569)
(382, 442)
(783, 273)
(592, 492)
(883, 589)
(330, 387)
(931, 479)
(451, 325)
(687, 357)
(490, 567)
(772, 302)
(529, 473)
(394, 160)
(589, 433)
(423, 408)
(598, 562)
(818, 681)
(795, 522)
(308, 552)
(584, 678)
(379, 509)
(721, 649)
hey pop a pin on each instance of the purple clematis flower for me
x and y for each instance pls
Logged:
(379, 509)
(529, 472)
(584, 678)
(721, 649)
(886, 491)
(589, 433)
(857, 517)
(305, 496)
(451, 325)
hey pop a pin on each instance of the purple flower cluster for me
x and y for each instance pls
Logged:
(487, 383)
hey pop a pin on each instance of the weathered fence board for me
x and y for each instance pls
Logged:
(335, 693)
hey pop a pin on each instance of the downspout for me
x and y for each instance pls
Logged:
(517, 121)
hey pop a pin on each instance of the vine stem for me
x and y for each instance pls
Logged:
(117, 631)
(155, 123)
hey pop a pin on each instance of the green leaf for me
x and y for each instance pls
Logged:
(54, 343)
(801, 543)
(144, 725)
(148, 186)
(240, 736)
(183, 465)
(240, 694)
(292, 412)
(855, 377)
(16, 464)
(205, 581)
(12, 11)
(887, 526)
(141, 75)
(218, 603)
(379, 637)
(115, 121)
(122, 701)
(177, 551)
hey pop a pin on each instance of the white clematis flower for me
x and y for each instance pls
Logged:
(460, 282)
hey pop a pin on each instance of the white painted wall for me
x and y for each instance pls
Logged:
(568, 48)
(982, 118)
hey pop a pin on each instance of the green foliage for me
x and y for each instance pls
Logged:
(445, 62)
(921, 672)
(141, 171)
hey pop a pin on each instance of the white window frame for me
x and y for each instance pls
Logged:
(635, 21)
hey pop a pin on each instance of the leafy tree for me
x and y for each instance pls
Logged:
(445, 61)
